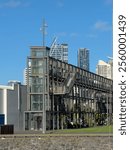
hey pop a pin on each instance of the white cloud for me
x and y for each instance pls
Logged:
(12, 4)
(102, 25)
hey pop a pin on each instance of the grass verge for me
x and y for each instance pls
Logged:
(99, 129)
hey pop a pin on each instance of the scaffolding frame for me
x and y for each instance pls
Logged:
(67, 96)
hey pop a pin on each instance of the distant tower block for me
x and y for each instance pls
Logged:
(105, 69)
(59, 51)
(26, 72)
(83, 58)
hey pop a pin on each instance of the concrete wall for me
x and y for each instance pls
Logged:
(12, 107)
(49, 142)
(23, 93)
(16, 105)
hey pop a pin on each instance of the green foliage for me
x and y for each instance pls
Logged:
(100, 119)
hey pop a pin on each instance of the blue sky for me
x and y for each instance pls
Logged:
(80, 23)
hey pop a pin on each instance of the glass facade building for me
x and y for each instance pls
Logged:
(83, 58)
(60, 52)
(36, 78)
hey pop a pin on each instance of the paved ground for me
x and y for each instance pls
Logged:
(56, 142)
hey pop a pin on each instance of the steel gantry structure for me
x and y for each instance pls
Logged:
(61, 95)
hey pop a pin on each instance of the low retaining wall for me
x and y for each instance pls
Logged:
(56, 142)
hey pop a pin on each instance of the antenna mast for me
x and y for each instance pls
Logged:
(43, 29)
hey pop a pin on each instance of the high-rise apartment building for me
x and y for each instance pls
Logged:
(25, 76)
(83, 58)
(105, 69)
(25, 73)
(59, 52)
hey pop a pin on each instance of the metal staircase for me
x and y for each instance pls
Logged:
(66, 88)
(69, 82)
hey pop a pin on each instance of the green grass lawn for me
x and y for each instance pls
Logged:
(99, 129)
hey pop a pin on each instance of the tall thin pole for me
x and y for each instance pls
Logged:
(43, 29)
